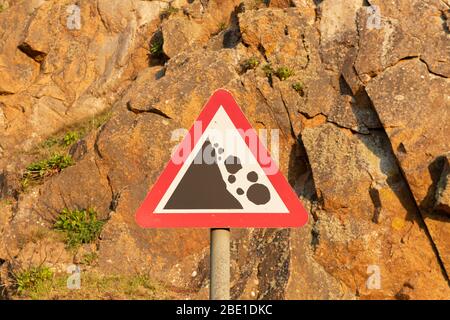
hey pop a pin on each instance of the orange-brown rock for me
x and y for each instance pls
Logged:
(362, 120)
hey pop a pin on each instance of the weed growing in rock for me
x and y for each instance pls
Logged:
(298, 86)
(250, 63)
(33, 280)
(94, 123)
(79, 226)
(60, 142)
(42, 284)
(37, 171)
(140, 280)
(70, 138)
(221, 27)
(283, 73)
(268, 70)
(50, 142)
(156, 47)
(5, 202)
(89, 258)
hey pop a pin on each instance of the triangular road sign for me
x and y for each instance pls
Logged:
(221, 175)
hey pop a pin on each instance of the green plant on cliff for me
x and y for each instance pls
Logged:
(33, 280)
(298, 86)
(89, 258)
(220, 27)
(50, 143)
(141, 280)
(70, 138)
(156, 47)
(3, 6)
(79, 226)
(42, 284)
(268, 70)
(283, 73)
(250, 63)
(37, 171)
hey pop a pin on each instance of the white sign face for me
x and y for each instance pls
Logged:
(221, 175)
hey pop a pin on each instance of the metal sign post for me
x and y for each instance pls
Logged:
(219, 287)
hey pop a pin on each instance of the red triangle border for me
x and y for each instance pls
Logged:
(146, 217)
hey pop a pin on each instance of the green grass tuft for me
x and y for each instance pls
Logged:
(37, 171)
(250, 63)
(70, 138)
(268, 70)
(283, 73)
(298, 86)
(51, 286)
(156, 47)
(32, 281)
(221, 27)
(79, 226)
(89, 258)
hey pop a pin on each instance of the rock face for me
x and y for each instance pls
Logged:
(443, 188)
(419, 139)
(362, 109)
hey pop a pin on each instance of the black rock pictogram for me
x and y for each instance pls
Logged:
(211, 192)
(252, 176)
(233, 164)
(202, 187)
(258, 194)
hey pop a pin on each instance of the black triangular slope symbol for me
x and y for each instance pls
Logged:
(202, 186)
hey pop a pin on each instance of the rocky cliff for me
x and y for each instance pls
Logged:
(359, 90)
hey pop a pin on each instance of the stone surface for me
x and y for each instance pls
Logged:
(443, 188)
(369, 212)
(180, 34)
(362, 140)
(417, 121)
(69, 74)
(401, 34)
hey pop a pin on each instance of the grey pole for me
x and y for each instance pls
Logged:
(219, 287)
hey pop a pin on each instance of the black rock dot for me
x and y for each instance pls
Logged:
(258, 194)
(216, 145)
(239, 191)
(231, 179)
(233, 164)
(221, 150)
(252, 176)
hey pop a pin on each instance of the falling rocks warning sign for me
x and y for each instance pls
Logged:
(221, 175)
